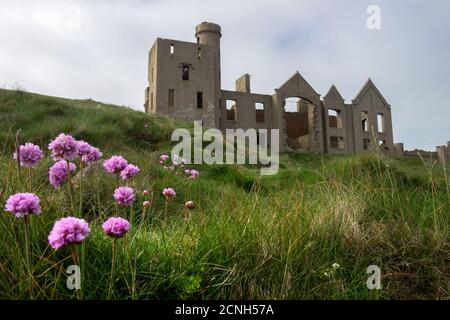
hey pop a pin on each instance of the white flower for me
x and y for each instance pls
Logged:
(335, 265)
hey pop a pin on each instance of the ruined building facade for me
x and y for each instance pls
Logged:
(185, 83)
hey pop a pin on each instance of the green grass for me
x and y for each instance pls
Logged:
(250, 237)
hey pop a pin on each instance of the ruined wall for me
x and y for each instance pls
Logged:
(443, 154)
(369, 100)
(337, 127)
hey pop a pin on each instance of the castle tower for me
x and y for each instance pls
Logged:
(208, 33)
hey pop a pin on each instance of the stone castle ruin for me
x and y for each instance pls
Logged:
(185, 83)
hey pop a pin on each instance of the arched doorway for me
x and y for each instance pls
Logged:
(298, 115)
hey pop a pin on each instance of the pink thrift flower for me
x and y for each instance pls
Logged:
(23, 204)
(30, 154)
(124, 196)
(64, 147)
(58, 172)
(194, 174)
(190, 205)
(169, 192)
(129, 171)
(116, 227)
(83, 148)
(163, 158)
(88, 153)
(94, 155)
(115, 164)
(145, 193)
(146, 204)
(68, 231)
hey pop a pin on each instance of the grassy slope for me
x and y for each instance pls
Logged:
(249, 237)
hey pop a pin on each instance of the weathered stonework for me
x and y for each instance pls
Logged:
(184, 82)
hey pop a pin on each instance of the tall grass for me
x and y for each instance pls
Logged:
(249, 237)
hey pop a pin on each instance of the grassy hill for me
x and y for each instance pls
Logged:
(250, 237)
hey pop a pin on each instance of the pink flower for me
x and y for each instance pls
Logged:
(57, 174)
(146, 204)
(30, 154)
(116, 227)
(189, 205)
(64, 147)
(124, 196)
(67, 231)
(83, 148)
(169, 192)
(88, 153)
(194, 174)
(129, 171)
(94, 155)
(115, 164)
(163, 158)
(23, 204)
(145, 193)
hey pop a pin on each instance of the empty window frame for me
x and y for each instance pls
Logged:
(230, 106)
(366, 144)
(259, 110)
(153, 74)
(172, 49)
(336, 142)
(199, 100)
(199, 52)
(365, 121)
(151, 101)
(171, 97)
(334, 118)
(184, 72)
(380, 122)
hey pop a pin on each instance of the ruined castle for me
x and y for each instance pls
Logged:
(185, 83)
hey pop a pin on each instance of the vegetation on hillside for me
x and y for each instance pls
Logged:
(309, 232)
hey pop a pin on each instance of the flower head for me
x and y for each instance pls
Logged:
(23, 204)
(169, 192)
(189, 205)
(64, 147)
(124, 195)
(146, 204)
(30, 154)
(116, 227)
(145, 193)
(129, 171)
(67, 231)
(194, 174)
(93, 155)
(58, 172)
(83, 148)
(336, 265)
(163, 158)
(115, 164)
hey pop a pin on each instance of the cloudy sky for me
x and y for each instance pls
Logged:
(98, 49)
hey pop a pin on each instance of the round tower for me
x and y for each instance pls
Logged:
(208, 33)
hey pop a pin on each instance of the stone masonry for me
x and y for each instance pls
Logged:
(185, 83)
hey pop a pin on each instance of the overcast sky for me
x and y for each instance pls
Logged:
(99, 49)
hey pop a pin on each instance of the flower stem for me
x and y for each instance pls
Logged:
(28, 254)
(30, 181)
(81, 186)
(69, 183)
(132, 270)
(76, 262)
(113, 262)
